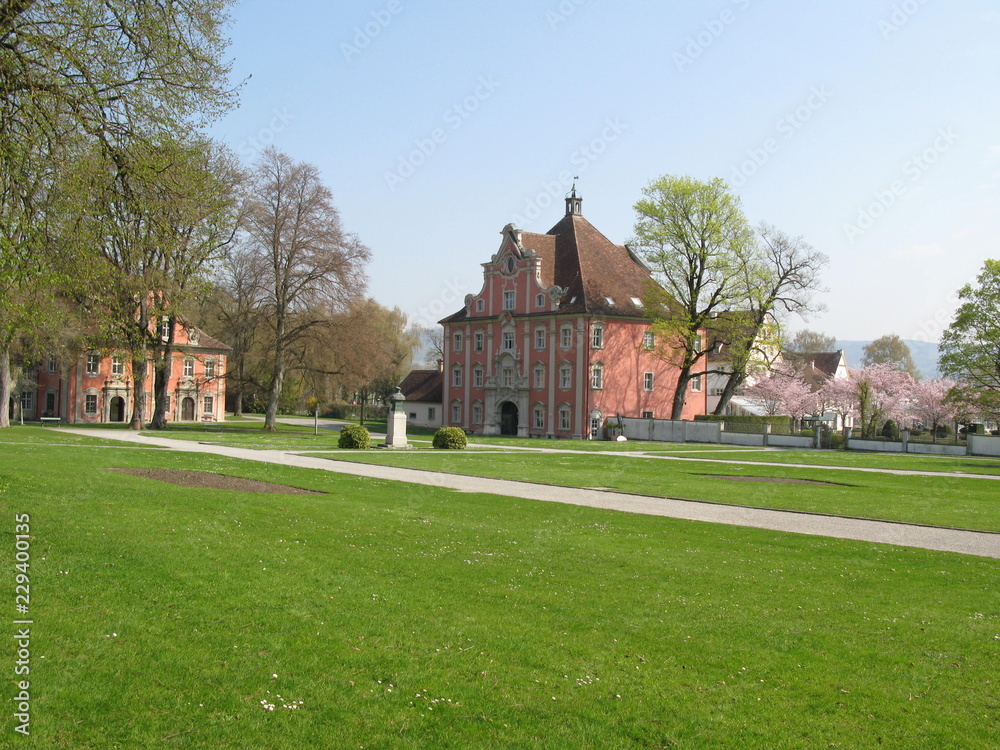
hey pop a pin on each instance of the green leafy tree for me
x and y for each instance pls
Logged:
(698, 243)
(890, 350)
(806, 341)
(970, 347)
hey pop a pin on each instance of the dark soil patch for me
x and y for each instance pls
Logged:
(212, 481)
(776, 480)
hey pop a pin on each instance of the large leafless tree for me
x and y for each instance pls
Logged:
(312, 266)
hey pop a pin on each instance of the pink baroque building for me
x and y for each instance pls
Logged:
(98, 387)
(557, 343)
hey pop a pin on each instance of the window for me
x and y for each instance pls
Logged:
(597, 377)
(165, 329)
(457, 342)
(648, 340)
(509, 300)
(51, 366)
(565, 376)
(93, 364)
(566, 337)
(456, 412)
(636, 301)
(539, 377)
(509, 266)
(27, 401)
(696, 383)
(431, 411)
(117, 365)
(508, 341)
(697, 345)
(209, 407)
(597, 337)
(480, 305)
(647, 381)
(507, 377)
(564, 418)
(90, 404)
(189, 368)
(477, 341)
(647, 415)
(210, 368)
(540, 300)
(595, 427)
(539, 338)
(456, 378)
(50, 402)
(539, 415)
(477, 377)
(477, 413)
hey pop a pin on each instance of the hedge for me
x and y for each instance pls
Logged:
(780, 425)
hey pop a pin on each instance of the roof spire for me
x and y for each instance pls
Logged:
(574, 201)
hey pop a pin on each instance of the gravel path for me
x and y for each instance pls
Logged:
(979, 543)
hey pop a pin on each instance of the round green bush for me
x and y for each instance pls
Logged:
(450, 438)
(354, 436)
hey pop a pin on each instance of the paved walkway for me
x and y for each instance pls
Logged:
(980, 543)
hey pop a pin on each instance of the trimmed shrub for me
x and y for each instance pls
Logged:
(780, 425)
(807, 433)
(450, 438)
(354, 436)
(890, 431)
(835, 440)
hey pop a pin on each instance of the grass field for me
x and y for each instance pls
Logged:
(385, 615)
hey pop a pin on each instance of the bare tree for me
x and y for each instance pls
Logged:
(780, 281)
(312, 265)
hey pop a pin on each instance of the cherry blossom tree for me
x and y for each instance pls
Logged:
(931, 403)
(783, 392)
(880, 392)
(838, 395)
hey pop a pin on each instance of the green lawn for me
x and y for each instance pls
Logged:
(392, 615)
(961, 502)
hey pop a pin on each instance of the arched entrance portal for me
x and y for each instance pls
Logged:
(117, 409)
(187, 409)
(508, 418)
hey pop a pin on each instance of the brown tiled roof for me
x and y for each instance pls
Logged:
(423, 385)
(576, 256)
(815, 367)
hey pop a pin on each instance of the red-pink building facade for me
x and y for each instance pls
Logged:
(98, 387)
(557, 343)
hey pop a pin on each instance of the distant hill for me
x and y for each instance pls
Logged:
(925, 355)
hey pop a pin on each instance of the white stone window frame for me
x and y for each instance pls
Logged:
(93, 366)
(648, 381)
(540, 335)
(510, 299)
(597, 336)
(597, 376)
(566, 337)
(538, 417)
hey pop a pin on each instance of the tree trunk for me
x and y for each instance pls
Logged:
(5, 386)
(680, 395)
(139, 391)
(161, 389)
(732, 385)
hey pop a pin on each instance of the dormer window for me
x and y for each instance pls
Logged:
(540, 300)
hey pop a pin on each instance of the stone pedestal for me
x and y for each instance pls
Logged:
(395, 435)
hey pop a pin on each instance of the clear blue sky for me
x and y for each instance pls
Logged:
(869, 127)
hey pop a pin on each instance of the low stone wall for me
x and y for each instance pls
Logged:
(874, 445)
(790, 441)
(742, 438)
(937, 449)
(984, 445)
(670, 431)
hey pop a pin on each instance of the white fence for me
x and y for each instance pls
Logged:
(984, 445)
